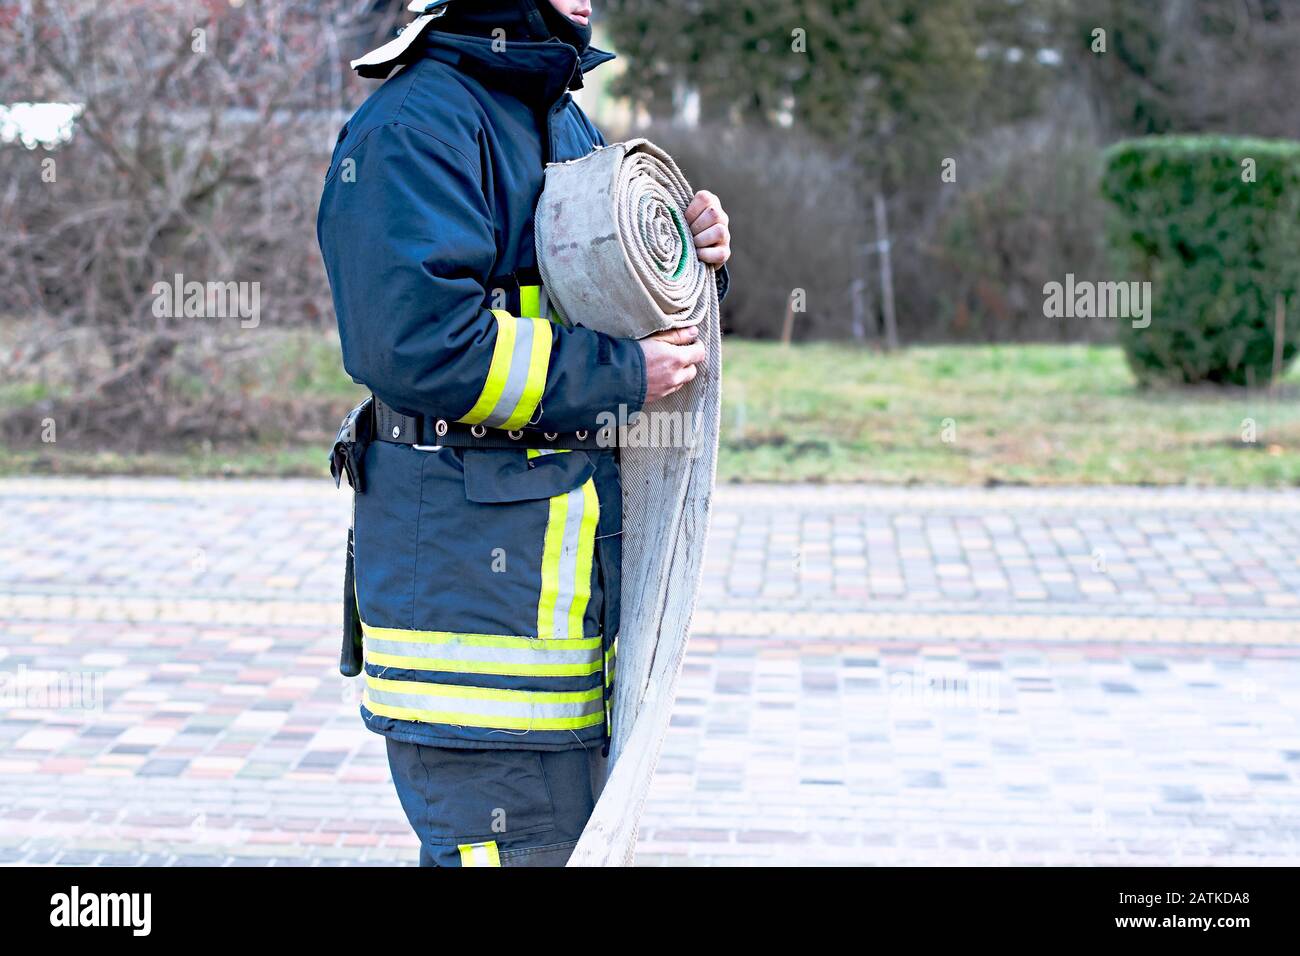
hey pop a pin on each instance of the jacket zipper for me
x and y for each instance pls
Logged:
(548, 152)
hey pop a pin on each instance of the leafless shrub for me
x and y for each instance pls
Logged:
(1025, 209)
(198, 153)
(970, 257)
(1186, 66)
(797, 223)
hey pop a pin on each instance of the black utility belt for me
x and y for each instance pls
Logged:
(392, 426)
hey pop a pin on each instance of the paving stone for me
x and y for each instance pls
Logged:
(878, 675)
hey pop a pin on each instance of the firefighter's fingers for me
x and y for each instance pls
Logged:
(719, 235)
(715, 255)
(704, 211)
(691, 355)
(713, 245)
(678, 336)
(711, 227)
(710, 217)
(686, 374)
(663, 362)
(668, 366)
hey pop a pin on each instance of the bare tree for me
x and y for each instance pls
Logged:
(203, 134)
(1187, 66)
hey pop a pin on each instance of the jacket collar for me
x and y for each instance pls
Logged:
(529, 69)
(529, 66)
(594, 57)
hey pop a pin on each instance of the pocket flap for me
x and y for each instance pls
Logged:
(494, 476)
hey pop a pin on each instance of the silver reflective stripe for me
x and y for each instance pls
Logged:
(521, 358)
(492, 655)
(568, 564)
(486, 708)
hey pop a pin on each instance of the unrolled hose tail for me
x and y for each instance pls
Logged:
(616, 255)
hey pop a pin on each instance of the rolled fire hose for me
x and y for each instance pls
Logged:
(616, 255)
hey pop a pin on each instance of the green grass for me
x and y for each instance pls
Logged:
(1034, 414)
(1040, 414)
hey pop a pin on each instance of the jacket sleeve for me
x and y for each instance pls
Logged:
(408, 242)
(724, 282)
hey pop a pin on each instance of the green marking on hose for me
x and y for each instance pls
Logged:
(681, 231)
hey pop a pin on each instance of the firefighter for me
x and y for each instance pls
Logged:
(483, 575)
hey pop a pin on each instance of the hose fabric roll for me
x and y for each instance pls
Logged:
(616, 255)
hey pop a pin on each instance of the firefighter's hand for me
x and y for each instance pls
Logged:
(711, 227)
(672, 358)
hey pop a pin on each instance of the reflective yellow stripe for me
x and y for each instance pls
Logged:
(552, 546)
(516, 378)
(480, 653)
(538, 366)
(567, 552)
(479, 854)
(498, 371)
(483, 707)
(530, 301)
(586, 547)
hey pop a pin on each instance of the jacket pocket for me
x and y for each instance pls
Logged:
(471, 796)
(553, 855)
(530, 541)
(499, 476)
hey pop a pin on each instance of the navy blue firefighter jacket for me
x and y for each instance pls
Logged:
(486, 579)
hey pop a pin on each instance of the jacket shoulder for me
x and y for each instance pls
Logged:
(427, 96)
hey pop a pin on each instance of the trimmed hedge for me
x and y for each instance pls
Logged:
(1217, 249)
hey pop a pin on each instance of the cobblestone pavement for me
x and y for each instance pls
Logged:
(878, 675)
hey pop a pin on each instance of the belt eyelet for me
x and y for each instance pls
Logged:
(515, 436)
(581, 436)
(478, 431)
(550, 436)
(440, 426)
